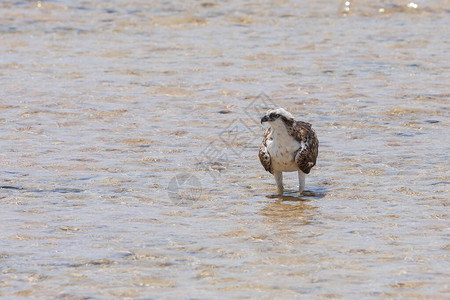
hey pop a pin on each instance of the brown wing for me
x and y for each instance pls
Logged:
(306, 156)
(263, 154)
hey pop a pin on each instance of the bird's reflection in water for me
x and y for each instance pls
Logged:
(298, 196)
(291, 209)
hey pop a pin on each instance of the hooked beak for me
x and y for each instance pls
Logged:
(264, 119)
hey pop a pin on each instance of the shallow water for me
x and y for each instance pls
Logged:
(129, 136)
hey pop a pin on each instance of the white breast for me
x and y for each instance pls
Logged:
(282, 152)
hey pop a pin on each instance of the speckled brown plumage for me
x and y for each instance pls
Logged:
(263, 154)
(306, 156)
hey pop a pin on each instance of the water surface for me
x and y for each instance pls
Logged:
(104, 105)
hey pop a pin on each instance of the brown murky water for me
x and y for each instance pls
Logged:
(129, 136)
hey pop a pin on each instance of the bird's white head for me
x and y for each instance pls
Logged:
(277, 117)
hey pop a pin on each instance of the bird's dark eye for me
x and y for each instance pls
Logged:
(276, 116)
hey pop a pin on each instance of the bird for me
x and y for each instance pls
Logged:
(288, 146)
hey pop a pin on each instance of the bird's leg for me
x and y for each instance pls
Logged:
(279, 181)
(301, 181)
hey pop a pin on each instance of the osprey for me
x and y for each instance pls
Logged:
(288, 146)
